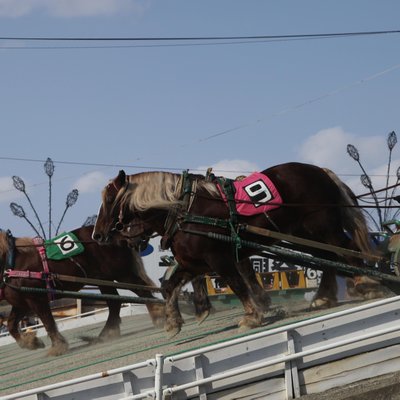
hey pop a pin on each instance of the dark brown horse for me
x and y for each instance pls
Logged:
(315, 205)
(119, 263)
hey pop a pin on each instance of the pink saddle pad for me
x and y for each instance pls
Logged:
(255, 194)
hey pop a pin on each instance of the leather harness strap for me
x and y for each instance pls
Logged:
(23, 274)
(39, 242)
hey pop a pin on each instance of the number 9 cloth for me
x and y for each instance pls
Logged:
(255, 194)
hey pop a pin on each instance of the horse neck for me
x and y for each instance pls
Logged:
(155, 221)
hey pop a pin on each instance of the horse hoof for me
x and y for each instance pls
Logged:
(244, 328)
(247, 323)
(322, 303)
(202, 317)
(58, 350)
(30, 341)
(110, 334)
(173, 332)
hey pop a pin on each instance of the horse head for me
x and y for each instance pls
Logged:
(109, 215)
(116, 221)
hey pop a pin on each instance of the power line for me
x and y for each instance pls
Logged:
(214, 43)
(182, 41)
(144, 167)
(301, 105)
(195, 38)
(141, 167)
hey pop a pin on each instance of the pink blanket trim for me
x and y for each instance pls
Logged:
(255, 194)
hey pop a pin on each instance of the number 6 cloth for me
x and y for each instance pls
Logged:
(65, 245)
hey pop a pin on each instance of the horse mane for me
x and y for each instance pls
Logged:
(24, 244)
(160, 190)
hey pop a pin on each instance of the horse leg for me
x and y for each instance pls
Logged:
(326, 295)
(40, 306)
(156, 310)
(253, 312)
(25, 340)
(201, 301)
(111, 329)
(366, 287)
(172, 287)
(260, 295)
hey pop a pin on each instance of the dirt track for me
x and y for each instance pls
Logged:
(23, 369)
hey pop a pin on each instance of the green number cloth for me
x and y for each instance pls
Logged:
(63, 246)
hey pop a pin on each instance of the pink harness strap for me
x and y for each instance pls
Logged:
(10, 273)
(32, 274)
(42, 252)
(38, 241)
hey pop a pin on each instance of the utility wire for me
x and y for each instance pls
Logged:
(195, 38)
(303, 104)
(143, 167)
(180, 41)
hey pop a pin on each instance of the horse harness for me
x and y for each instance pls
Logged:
(9, 262)
(186, 190)
(7, 270)
(180, 214)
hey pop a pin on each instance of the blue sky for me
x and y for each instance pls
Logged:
(142, 106)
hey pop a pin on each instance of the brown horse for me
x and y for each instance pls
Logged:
(120, 263)
(314, 206)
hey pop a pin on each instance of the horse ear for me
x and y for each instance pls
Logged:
(121, 177)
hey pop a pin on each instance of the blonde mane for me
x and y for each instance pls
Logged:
(151, 190)
(160, 190)
(24, 244)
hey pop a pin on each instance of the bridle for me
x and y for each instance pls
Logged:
(128, 230)
(135, 229)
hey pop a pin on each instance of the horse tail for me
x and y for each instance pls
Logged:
(352, 216)
(139, 268)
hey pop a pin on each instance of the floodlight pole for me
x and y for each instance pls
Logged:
(71, 200)
(49, 170)
(19, 211)
(391, 142)
(19, 184)
(365, 179)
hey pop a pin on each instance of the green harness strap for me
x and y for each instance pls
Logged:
(229, 191)
(199, 219)
(232, 223)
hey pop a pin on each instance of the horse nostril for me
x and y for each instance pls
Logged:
(97, 237)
